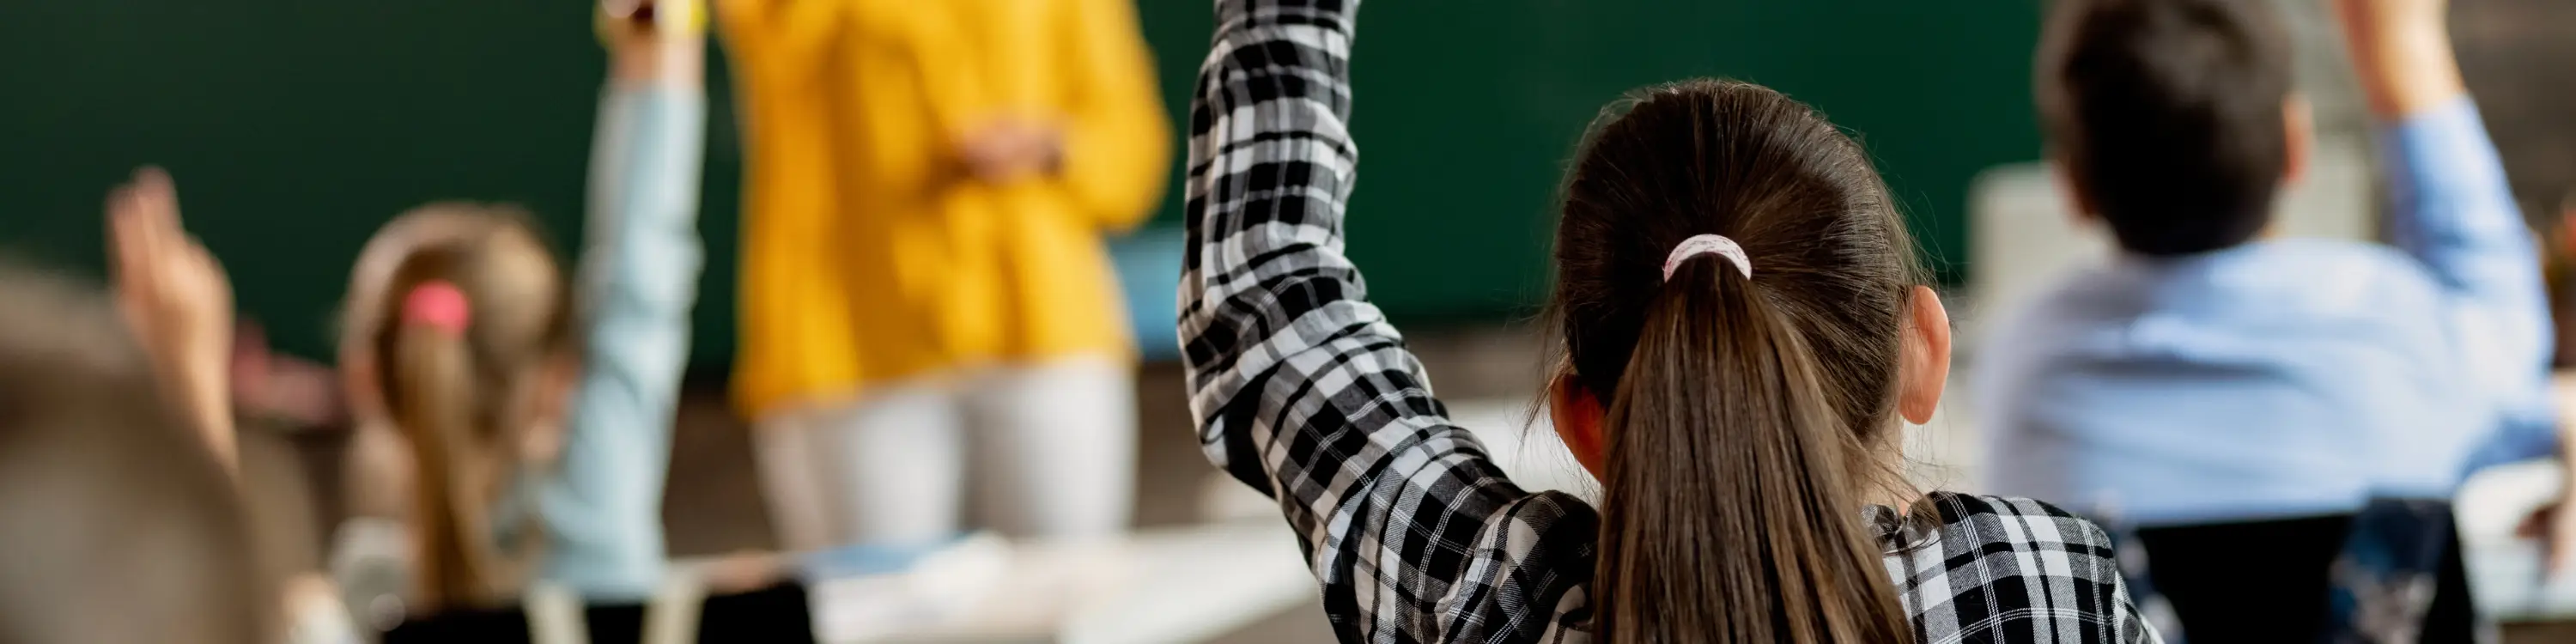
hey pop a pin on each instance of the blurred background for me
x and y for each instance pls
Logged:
(299, 126)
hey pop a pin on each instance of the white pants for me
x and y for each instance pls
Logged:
(1045, 450)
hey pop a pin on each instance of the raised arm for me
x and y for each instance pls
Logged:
(1301, 388)
(178, 304)
(1271, 163)
(603, 504)
(2451, 208)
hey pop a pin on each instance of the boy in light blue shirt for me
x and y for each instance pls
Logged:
(2236, 399)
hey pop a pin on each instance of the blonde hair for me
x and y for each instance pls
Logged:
(459, 389)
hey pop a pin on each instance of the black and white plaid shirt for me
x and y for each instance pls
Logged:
(1304, 391)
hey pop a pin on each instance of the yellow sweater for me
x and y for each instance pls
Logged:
(868, 254)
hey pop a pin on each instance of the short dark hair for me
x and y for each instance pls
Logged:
(2168, 115)
(120, 524)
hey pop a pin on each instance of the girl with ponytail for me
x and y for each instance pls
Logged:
(1743, 329)
(461, 338)
(459, 356)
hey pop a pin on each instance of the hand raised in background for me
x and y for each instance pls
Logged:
(2393, 12)
(654, 42)
(668, 16)
(176, 300)
(2401, 51)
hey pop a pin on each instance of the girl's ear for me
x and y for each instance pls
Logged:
(1577, 417)
(1925, 367)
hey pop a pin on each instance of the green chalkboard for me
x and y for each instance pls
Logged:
(295, 127)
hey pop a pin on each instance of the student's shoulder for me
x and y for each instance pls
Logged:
(2011, 565)
(2357, 261)
(2351, 284)
(1977, 521)
(2053, 312)
(2334, 252)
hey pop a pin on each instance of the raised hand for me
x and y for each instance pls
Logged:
(176, 300)
(2402, 52)
(2393, 12)
(654, 41)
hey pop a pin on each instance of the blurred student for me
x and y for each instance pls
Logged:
(459, 336)
(121, 526)
(926, 297)
(600, 503)
(2240, 399)
(520, 427)
(1745, 329)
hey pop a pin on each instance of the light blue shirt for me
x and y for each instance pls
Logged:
(2290, 377)
(602, 505)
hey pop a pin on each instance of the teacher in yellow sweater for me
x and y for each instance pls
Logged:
(925, 293)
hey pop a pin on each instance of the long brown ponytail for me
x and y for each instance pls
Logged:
(464, 323)
(1728, 512)
(433, 382)
(1743, 410)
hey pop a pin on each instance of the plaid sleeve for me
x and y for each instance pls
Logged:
(1304, 391)
(2016, 570)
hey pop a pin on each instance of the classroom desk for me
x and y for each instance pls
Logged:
(1192, 583)
(2504, 570)
(1184, 584)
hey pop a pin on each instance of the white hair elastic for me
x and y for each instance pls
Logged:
(1703, 244)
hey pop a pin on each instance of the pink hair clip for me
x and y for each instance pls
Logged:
(438, 304)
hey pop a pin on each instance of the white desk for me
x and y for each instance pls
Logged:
(1173, 585)
(2504, 569)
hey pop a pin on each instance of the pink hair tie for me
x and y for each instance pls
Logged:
(1699, 245)
(437, 304)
